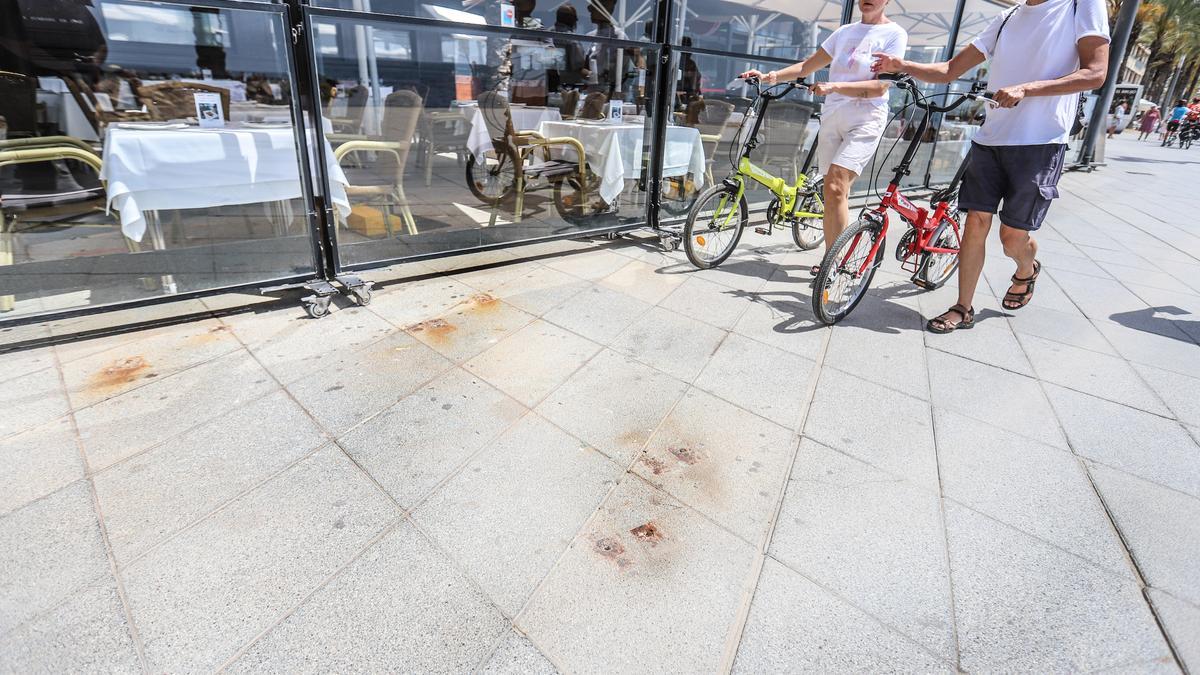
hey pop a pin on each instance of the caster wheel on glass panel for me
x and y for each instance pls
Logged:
(318, 307)
(361, 295)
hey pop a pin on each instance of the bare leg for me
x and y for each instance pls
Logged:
(837, 202)
(1022, 248)
(971, 255)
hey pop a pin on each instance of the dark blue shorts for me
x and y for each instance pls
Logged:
(1023, 177)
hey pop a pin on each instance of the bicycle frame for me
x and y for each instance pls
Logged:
(786, 193)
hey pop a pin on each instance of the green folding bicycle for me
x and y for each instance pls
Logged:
(716, 220)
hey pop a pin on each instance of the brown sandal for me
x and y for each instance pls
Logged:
(1014, 300)
(941, 324)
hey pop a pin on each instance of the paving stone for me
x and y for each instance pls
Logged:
(644, 281)
(490, 279)
(88, 633)
(292, 346)
(516, 655)
(645, 573)
(1161, 527)
(31, 400)
(131, 363)
(998, 397)
(153, 495)
(1040, 490)
(48, 549)
(540, 289)
(881, 427)
(359, 384)
(37, 463)
(1176, 390)
(1145, 445)
(592, 265)
(411, 302)
(421, 440)
(613, 403)
(781, 315)
(670, 342)
(720, 460)
(1108, 377)
(1182, 623)
(991, 341)
(1159, 344)
(23, 362)
(796, 626)
(120, 427)
(886, 556)
(599, 314)
(882, 342)
(201, 597)
(471, 327)
(532, 362)
(509, 514)
(1071, 329)
(707, 301)
(1022, 605)
(375, 616)
(760, 378)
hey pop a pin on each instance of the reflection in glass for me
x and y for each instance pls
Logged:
(479, 139)
(789, 30)
(149, 150)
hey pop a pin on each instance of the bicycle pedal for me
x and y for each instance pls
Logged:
(921, 283)
(762, 230)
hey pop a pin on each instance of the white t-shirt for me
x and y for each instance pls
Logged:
(1038, 43)
(851, 47)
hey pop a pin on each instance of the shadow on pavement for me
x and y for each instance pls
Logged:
(1144, 320)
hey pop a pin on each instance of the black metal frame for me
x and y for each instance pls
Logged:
(300, 60)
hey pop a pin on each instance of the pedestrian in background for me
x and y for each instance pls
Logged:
(1149, 122)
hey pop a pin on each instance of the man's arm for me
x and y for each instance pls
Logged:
(1092, 71)
(807, 67)
(864, 89)
(937, 73)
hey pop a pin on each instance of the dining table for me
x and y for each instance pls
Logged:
(149, 167)
(615, 151)
(524, 118)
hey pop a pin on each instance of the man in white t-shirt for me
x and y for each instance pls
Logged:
(855, 109)
(1044, 53)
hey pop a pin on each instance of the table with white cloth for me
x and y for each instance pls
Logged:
(614, 152)
(479, 140)
(149, 169)
(236, 88)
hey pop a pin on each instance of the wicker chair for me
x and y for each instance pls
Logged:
(384, 179)
(173, 100)
(593, 106)
(570, 104)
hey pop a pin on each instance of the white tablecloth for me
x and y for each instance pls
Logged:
(614, 152)
(194, 168)
(479, 141)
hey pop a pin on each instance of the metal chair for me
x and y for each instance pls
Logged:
(517, 147)
(385, 178)
(442, 131)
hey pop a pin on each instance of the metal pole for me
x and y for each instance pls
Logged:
(1120, 39)
(1170, 90)
(847, 11)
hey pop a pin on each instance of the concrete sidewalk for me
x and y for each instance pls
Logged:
(590, 457)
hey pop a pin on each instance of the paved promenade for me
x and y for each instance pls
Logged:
(589, 457)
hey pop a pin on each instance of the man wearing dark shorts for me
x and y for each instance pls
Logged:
(1043, 54)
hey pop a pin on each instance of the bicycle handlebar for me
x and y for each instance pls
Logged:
(977, 93)
(763, 92)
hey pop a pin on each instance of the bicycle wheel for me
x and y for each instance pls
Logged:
(714, 226)
(839, 287)
(936, 269)
(493, 179)
(809, 232)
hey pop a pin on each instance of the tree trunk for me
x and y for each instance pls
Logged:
(1194, 80)
(1133, 39)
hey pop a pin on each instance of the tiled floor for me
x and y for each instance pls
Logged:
(591, 458)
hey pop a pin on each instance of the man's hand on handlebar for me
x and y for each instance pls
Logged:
(1009, 97)
(886, 63)
(823, 88)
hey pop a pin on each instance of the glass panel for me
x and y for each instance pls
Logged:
(465, 139)
(784, 29)
(623, 19)
(708, 98)
(148, 150)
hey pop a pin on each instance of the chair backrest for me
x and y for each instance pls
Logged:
(402, 112)
(496, 114)
(570, 103)
(593, 106)
(785, 127)
(713, 117)
(356, 104)
(173, 100)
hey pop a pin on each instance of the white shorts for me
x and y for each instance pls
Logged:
(849, 135)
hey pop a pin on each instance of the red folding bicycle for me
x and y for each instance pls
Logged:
(929, 249)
